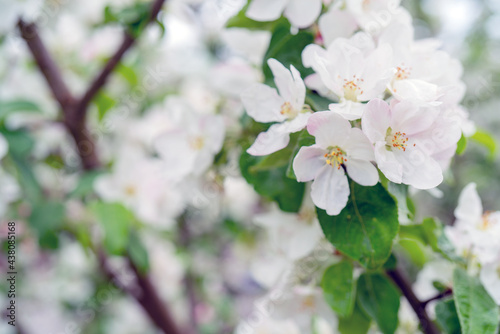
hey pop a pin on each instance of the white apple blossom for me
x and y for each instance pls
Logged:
(265, 105)
(336, 23)
(490, 278)
(300, 13)
(353, 69)
(189, 148)
(339, 149)
(406, 136)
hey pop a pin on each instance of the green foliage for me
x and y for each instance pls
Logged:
(461, 145)
(47, 217)
(478, 313)
(287, 49)
(415, 251)
(485, 139)
(305, 139)
(357, 323)
(10, 107)
(317, 102)
(138, 253)
(240, 20)
(379, 298)
(104, 103)
(400, 193)
(338, 287)
(85, 184)
(134, 17)
(447, 317)
(268, 177)
(116, 221)
(366, 227)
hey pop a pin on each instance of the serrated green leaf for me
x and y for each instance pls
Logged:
(477, 311)
(116, 221)
(9, 107)
(379, 298)
(138, 253)
(447, 317)
(47, 216)
(338, 288)
(357, 323)
(367, 226)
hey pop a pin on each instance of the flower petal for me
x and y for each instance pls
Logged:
(376, 120)
(387, 163)
(302, 13)
(358, 146)
(289, 83)
(336, 23)
(273, 140)
(470, 208)
(330, 190)
(362, 171)
(308, 162)
(419, 169)
(265, 10)
(329, 128)
(263, 103)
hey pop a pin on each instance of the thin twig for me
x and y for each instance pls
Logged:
(441, 295)
(428, 327)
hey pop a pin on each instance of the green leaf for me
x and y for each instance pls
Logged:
(357, 323)
(461, 145)
(9, 107)
(116, 221)
(400, 193)
(380, 300)
(287, 49)
(477, 311)
(338, 287)
(85, 184)
(20, 142)
(317, 102)
(305, 139)
(128, 73)
(104, 103)
(273, 184)
(447, 317)
(485, 139)
(47, 216)
(366, 227)
(138, 253)
(415, 251)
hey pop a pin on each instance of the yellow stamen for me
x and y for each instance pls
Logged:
(336, 157)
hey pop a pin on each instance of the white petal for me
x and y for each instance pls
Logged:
(330, 190)
(273, 140)
(263, 103)
(470, 208)
(348, 109)
(296, 124)
(3, 146)
(419, 170)
(336, 23)
(415, 90)
(329, 128)
(289, 83)
(310, 52)
(308, 162)
(362, 171)
(376, 120)
(302, 13)
(387, 163)
(176, 152)
(265, 10)
(268, 267)
(490, 277)
(358, 146)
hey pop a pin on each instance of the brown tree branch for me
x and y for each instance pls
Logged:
(428, 327)
(74, 113)
(441, 295)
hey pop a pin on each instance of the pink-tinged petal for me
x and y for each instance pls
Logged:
(214, 131)
(362, 171)
(376, 120)
(265, 10)
(296, 124)
(263, 103)
(273, 140)
(388, 164)
(470, 208)
(419, 170)
(308, 162)
(329, 128)
(411, 118)
(302, 13)
(358, 146)
(377, 72)
(336, 23)
(310, 52)
(330, 190)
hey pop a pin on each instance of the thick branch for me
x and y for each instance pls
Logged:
(404, 285)
(101, 79)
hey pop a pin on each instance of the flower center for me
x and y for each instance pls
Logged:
(130, 190)
(308, 303)
(197, 143)
(498, 271)
(336, 157)
(307, 215)
(402, 72)
(397, 140)
(352, 89)
(287, 110)
(486, 223)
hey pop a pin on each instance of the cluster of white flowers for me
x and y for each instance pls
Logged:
(475, 236)
(395, 101)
